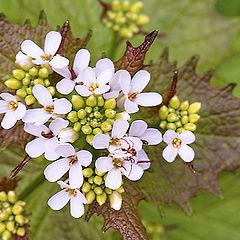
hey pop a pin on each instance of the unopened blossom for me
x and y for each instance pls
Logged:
(68, 135)
(76, 198)
(132, 95)
(118, 140)
(72, 161)
(177, 144)
(48, 55)
(115, 200)
(46, 139)
(72, 76)
(51, 106)
(24, 61)
(13, 110)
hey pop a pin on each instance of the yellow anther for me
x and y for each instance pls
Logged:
(133, 95)
(12, 105)
(93, 86)
(176, 142)
(49, 109)
(46, 57)
(73, 159)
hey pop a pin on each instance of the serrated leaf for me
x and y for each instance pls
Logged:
(126, 220)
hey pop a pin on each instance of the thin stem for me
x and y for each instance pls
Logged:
(113, 46)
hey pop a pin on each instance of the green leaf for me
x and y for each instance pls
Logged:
(228, 8)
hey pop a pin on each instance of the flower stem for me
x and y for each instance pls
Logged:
(113, 46)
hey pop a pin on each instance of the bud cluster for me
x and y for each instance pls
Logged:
(12, 220)
(94, 187)
(124, 18)
(23, 82)
(179, 116)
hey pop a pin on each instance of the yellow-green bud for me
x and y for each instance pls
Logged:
(89, 139)
(172, 117)
(111, 15)
(13, 83)
(17, 209)
(98, 180)
(29, 90)
(77, 126)
(194, 107)
(125, 5)
(171, 126)
(134, 28)
(88, 110)
(110, 113)
(90, 180)
(126, 33)
(106, 127)
(2, 227)
(86, 187)
(47, 83)
(184, 113)
(163, 124)
(6, 204)
(20, 203)
(108, 190)
(190, 126)
(110, 103)
(97, 131)
(72, 116)
(99, 173)
(43, 73)
(83, 121)
(184, 120)
(6, 235)
(86, 129)
(38, 81)
(21, 232)
(12, 197)
(163, 112)
(193, 118)
(20, 219)
(33, 71)
(104, 177)
(91, 101)
(180, 130)
(10, 226)
(81, 114)
(178, 124)
(120, 190)
(184, 106)
(30, 99)
(77, 102)
(142, 19)
(21, 93)
(87, 172)
(52, 90)
(136, 7)
(174, 102)
(94, 124)
(97, 114)
(90, 196)
(100, 101)
(3, 196)
(98, 190)
(110, 121)
(101, 199)
(25, 81)
(3, 216)
(171, 110)
(116, 6)
(18, 74)
(8, 211)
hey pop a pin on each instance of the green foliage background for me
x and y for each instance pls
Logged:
(203, 27)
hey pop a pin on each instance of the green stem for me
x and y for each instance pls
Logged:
(113, 46)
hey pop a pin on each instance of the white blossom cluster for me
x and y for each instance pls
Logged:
(54, 135)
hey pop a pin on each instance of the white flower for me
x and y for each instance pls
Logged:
(51, 107)
(142, 160)
(13, 110)
(23, 61)
(72, 161)
(48, 55)
(76, 198)
(116, 166)
(68, 135)
(117, 139)
(95, 80)
(115, 199)
(67, 84)
(177, 144)
(47, 139)
(132, 93)
(149, 136)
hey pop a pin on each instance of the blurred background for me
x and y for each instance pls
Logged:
(209, 28)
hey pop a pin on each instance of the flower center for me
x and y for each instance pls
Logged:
(46, 57)
(71, 191)
(176, 142)
(114, 141)
(73, 159)
(93, 86)
(133, 95)
(12, 105)
(47, 135)
(49, 109)
(117, 162)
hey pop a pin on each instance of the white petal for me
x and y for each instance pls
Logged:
(124, 79)
(76, 207)
(35, 130)
(59, 62)
(20, 111)
(39, 61)
(81, 60)
(104, 64)
(62, 106)
(63, 184)
(130, 107)
(115, 200)
(152, 136)
(186, 153)
(36, 115)
(59, 200)
(8, 97)
(187, 137)
(133, 142)
(50, 146)
(169, 135)
(3, 106)
(66, 150)
(83, 90)
(104, 77)
(75, 175)
(133, 171)
(52, 42)
(57, 125)
(137, 128)
(63, 72)
(9, 120)
(104, 164)
(120, 127)
(56, 170)
(169, 153)
(43, 96)
(101, 90)
(143, 160)
(101, 141)
(31, 49)
(140, 81)
(65, 86)
(148, 99)
(84, 158)
(111, 94)
(36, 147)
(114, 179)
(88, 76)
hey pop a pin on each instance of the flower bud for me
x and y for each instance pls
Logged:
(90, 180)
(116, 6)
(110, 113)
(86, 187)
(2, 227)
(18, 74)
(110, 103)
(136, 7)
(3, 216)
(10, 226)
(12, 197)
(106, 127)
(125, 5)
(30, 99)
(91, 101)
(108, 190)
(190, 126)
(184, 113)
(21, 203)
(180, 130)
(6, 204)
(38, 81)
(98, 190)
(120, 190)
(21, 232)
(17, 209)
(97, 180)
(29, 91)
(26, 81)
(13, 83)
(99, 173)
(81, 114)
(171, 126)
(110, 121)
(77, 126)
(47, 83)
(3, 196)
(8, 210)
(90, 196)
(184, 119)
(97, 114)
(86, 129)
(101, 199)
(6, 235)
(87, 172)
(100, 101)
(83, 121)
(193, 118)
(163, 124)
(23, 61)
(43, 73)
(77, 102)
(33, 71)
(194, 107)
(97, 131)
(20, 219)
(123, 115)
(21, 93)
(178, 124)
(115, 200)
(89, 139)
(88, 110)
(163, 112)
(68, 135)
(142, 19)
(72, 116)
(94, 124)
(174, 102)
(52, 90)
(184, 105)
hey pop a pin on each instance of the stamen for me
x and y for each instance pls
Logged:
(49, 109)
(176, 142)
(114, 141)
(133, 95)
(73, 159)
(71, 192)
(93, 87)
(46, 57)
(12, 105)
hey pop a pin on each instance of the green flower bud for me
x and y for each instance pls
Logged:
(77, 102)
(21, 93)
(91, 101)
(97, 180)
(12, 197)
(8, 211)
(108, 190)
(3, 216)
(30, 99)
(190, 126)
(83, 121)
(104, 177)
(20, 219)
(90, 115)
(97, 114)
(72, 116)
(106, 127)
(89, 139)
(171, 126)
(142, 19)
(87, 172)
(174, 102)
(172, 117)
(21, 232)
(101, 199)
(120, 190)
(163, 112)
(178, 124)
(98, 190)
(86, 129)
(29, 91)
(184, 119)
(43, 73)
(18, 74)
(2, 227)
(6, 235)
(184, 106)
(77, 126)
(111, 14)
(27, 75)
(97, 131)
(17, 209)
(90, 180)
(52, 90)
(110, 103)
(136, 7)
(94, 124)
(86, 187)
(3, 196)
(13, 83)
(99, 173)
(10, 226)
(193, 118)
(20, 203)
(110, 121)
(6, 204)
(26, 81)
(38, 81)
(180, 130)
(33, 71)
(47, 83)
(81, 114)
(125, 5)
(163, 124)
(171, 110)
(100, 101)
(88, 110)
(110, 113)
(194, 107)
(116, 6)
(90, 196)
(183, 113)
(126, 33)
